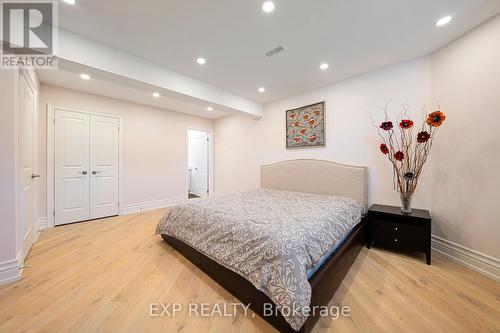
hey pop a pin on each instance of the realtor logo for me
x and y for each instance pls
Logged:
(29, 33)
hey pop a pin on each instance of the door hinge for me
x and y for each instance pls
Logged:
(54, 213)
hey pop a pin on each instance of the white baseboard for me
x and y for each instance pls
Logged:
(42, 224)
(477, 261)
(135, 208)
(10, 270)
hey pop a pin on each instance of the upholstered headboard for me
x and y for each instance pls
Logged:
(317, 176)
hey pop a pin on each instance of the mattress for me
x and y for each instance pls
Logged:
(314, 269)
(269, 237)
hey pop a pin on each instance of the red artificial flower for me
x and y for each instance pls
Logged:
(399, 156)
(406, 123)
(384, 149)
(435, 119)
(316, 113)
(386, 125)
(312, 138)
(312, 122)
(423, 137)
(297, 124)
(292, 115)
(296, 139)
(306, 116)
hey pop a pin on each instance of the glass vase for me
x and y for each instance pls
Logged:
(406, 202)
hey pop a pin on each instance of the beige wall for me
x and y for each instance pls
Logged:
(243, 145)
(466, 164)
(155, 162)
(8, 142)
(461, 181)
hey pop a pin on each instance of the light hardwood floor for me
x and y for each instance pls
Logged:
(101, 276)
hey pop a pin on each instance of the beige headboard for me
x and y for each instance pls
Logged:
(316, 176)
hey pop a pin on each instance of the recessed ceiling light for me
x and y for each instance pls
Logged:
(85, 76)
(71, 2)
(268, 6)
(201, 61)
(324, 66)
(209, 108)
(156, 95)
(262, 89)
(443, 21)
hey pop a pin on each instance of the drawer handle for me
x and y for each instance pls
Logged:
(396, 228)
(395, 240)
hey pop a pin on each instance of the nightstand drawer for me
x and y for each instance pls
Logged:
(383, 226)
(399, 235)
(401, 241)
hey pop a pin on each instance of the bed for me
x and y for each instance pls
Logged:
(286, 246)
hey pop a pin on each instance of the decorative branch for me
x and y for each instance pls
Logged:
(407, 152)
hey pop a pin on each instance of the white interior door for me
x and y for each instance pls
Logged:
(28, 143)
(198, 162)
(71, 161)
(103, 166)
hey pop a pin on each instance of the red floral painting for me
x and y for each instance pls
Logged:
(305, 126)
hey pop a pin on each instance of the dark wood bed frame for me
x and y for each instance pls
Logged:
(324, 282)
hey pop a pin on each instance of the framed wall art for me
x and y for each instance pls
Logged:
(305, 126)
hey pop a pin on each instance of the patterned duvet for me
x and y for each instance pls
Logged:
(269, 237)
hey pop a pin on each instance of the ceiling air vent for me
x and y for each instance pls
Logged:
(275, 51)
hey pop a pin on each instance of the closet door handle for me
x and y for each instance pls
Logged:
(83, 172)
(96, 172)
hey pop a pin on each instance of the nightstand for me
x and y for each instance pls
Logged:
(390, 228)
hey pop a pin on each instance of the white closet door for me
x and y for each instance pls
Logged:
(103, 166)
(71, 167)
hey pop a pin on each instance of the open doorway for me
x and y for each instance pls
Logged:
(198, 163)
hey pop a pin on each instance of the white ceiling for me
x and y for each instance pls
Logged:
(109, 85)
(353, 36)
